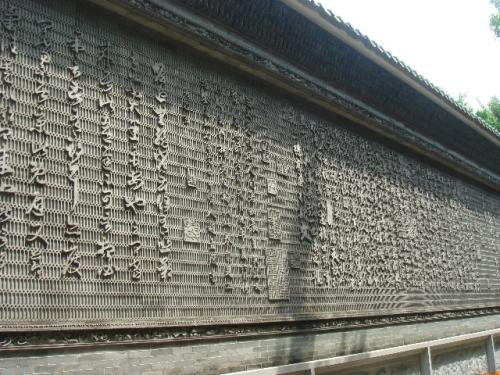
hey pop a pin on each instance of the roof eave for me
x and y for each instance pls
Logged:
(358, 43)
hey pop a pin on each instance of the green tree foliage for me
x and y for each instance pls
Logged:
(488, 113)
(462, 100)
(495, 18)
(491, 113)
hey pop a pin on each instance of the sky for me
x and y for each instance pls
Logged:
(449, 42)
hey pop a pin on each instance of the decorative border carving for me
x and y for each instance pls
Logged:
(29, 341)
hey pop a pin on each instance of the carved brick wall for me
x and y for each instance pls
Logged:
(141, 186)
(225, 356)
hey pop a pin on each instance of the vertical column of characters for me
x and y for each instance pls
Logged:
(248, 209)
(210, 156)
(251, 261)
(39, 150)
(74, 150)
(135, 181)
(10, 20)
(247, 176)
(106, 106)
(228, 148)
(161, 155)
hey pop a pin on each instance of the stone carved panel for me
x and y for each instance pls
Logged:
(272, 186)
(191, 231)
(274, 224)
(277, 274)
(142, 189)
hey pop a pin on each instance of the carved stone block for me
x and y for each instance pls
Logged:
(191, 231)
(277, 274)
(329, 212)
(274, 224)
(191, 179)
(272, 186)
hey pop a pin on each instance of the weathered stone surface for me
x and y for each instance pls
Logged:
(461, 361)
(144, 188)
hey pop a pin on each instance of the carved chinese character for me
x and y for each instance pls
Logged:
(329, 213)
(72, 229)
(35, 257)
(105, 224)
(46, 26)
(161, 97)
(76, 45)
(164, 203)
(134, 180)
(134, 160)
(161, 157)
(211, 229)
(5, 214)
(190, 179)
(105, 82)
(133, 131)
(75, 94)
(133, 106)
(134, 204)
(38, 173)
(272, 186)
(135, 266)
(107, 103)
(72, 267)
(75, 71)
(34, 234)
(74, 151)
(160, 73)
(45, 58)
(39, 151)
(106, 196)
(165, 246)
(191, 231)
(274, 224)
(5, 133)
(165, 269)
(105, 249)
(40, 121)
(37, 207)
(136, 247)
(6, 188)
(10, 18)
(297, 150)
(3, 259)
(5, 169)
(107, 271)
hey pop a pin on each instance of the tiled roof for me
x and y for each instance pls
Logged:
(339, 23)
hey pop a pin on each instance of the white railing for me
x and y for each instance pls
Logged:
(423, 349)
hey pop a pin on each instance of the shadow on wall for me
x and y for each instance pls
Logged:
(316, 238)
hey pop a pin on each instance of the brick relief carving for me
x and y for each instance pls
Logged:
(277, 274)
(274, 224)
(191, 231)
(142, 186)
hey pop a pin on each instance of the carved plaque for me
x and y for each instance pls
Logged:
(191, 231)
(329, 212)
(274, 224)
(272, 186)
(139, 187)
(277, 274)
